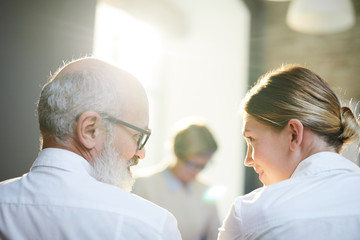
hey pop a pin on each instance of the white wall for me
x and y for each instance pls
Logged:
(201, 71)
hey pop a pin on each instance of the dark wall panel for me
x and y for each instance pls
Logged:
(35, 38)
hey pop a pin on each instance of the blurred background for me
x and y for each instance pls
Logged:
(194, 57)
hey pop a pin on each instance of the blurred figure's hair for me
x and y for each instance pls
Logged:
(193, 138)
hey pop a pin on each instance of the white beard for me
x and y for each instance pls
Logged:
(110, 168)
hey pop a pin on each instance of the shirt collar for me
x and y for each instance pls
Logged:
(174, 183)
(63, 159)
(324, 161)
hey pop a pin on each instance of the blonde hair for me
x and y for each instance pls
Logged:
(192, 138)
(293, 91)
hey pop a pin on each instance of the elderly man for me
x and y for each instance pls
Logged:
(93, 121)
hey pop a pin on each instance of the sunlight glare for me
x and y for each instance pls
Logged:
(215, 192)
(126, 42)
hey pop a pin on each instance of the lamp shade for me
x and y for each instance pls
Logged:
(320, 16)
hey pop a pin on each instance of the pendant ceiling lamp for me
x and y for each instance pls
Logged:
(320, 16)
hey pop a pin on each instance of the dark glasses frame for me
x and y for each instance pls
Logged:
(144, 133)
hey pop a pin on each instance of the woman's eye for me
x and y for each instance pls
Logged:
(250, 139)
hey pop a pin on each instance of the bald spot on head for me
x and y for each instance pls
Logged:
(132, 99)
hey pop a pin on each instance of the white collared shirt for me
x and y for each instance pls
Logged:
(59, 199)
(320, 201)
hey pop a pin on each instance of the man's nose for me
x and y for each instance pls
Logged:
(140, 153)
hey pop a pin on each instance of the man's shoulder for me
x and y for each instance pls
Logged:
(8, 186)
(123, 202)
(102, 202)
(141, 203)
(9, 181)
(141, 210)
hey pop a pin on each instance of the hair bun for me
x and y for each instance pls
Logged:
(349, 125)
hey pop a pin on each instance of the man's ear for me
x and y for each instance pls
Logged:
(87, 128)
(296, 129)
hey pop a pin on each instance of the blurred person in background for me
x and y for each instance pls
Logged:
(295, 128)
(93, 121)
(178, 189)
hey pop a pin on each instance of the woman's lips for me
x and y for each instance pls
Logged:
(260, 172)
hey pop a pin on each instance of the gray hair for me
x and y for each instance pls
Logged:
(67, 95)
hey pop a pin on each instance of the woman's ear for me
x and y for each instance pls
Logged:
(88, 128)
(296, 129)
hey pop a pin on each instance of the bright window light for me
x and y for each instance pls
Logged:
(133, 45)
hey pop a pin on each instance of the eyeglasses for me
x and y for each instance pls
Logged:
(144, 134)
(195, 165)
(189, 162)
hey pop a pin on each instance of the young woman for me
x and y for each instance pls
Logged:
(295, 128)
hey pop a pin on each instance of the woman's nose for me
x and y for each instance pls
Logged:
(248, 159)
